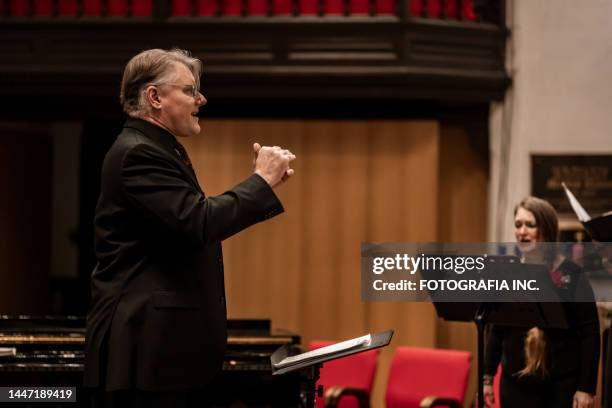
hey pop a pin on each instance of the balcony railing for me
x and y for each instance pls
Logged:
(162, 10)
(433, 50)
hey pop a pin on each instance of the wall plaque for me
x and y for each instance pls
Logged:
(588, 176)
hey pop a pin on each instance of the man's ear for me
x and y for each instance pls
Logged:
(153, 97)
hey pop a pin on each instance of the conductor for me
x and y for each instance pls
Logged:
(156, 326)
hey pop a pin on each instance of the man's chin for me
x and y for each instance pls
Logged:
(195, 130)
(190, 132)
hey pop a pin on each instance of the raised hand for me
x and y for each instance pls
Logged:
(272, 163)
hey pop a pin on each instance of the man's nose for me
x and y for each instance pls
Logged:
(202, 100)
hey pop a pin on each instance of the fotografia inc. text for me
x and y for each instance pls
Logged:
(456, 285)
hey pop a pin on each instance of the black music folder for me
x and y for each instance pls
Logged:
(599, 228)
(283, 363)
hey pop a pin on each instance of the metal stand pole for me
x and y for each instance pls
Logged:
(310, 392)
(481, 320)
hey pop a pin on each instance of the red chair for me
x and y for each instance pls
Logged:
(421, 377)
(496, 382)
(347, 382)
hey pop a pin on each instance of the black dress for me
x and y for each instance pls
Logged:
(572, 354)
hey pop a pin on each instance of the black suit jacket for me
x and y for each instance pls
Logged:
(157, 319)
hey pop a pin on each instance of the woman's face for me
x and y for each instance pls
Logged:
(526, 229)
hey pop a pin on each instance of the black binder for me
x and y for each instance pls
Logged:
(600, 227)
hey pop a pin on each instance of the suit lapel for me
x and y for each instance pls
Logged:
(188, 170)
(167, 143)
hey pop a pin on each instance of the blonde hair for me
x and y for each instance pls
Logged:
(149, 67)
(535, 354)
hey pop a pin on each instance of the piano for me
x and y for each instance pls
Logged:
(48, 351)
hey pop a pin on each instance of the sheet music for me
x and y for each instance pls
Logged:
(581, 213)
(333, 348)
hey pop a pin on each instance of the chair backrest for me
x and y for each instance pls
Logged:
(420, 372)
(356, 371)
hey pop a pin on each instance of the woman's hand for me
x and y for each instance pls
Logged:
(489, 396)
(583, 400)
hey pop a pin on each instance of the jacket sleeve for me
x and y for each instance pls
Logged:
(155, 185)
(586, 322)
(588, 332)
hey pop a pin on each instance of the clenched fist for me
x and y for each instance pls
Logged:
(272, 163)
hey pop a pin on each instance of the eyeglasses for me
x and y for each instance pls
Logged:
(191, 90)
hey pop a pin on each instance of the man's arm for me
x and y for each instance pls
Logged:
(155, 185)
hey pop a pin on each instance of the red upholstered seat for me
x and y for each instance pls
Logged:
(92, 8)
(117, 8)
(450, 9)
(468, 10)
(359, 7)
(231, 7)
(142, 8)
(417, 373)
(433, 9)
(181, 8)
(43, 8)
(385, 7)
(19, 8)
(67, 8)
(308, 7)
(206, 7)
(356, 371)
(333, 7)
(257, 7)
(282, 7)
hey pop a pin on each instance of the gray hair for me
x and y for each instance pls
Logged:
(149, 67)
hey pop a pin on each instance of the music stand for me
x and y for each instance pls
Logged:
(309, 367)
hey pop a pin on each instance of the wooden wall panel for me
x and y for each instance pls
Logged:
(355, 181)
(462, 218)
(353, 171)
(377, 180)
(402, 208)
